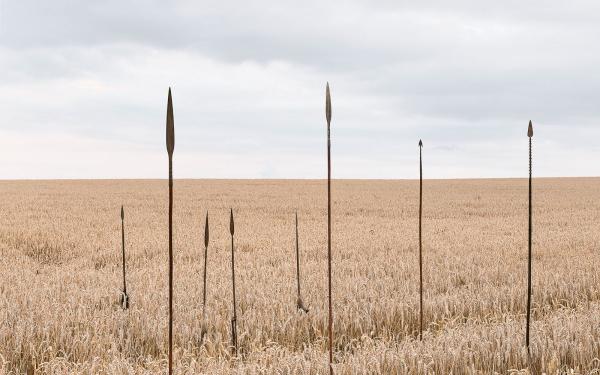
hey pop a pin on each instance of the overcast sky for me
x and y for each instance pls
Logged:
(83, 88)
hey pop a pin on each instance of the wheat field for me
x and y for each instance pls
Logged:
(60, 277)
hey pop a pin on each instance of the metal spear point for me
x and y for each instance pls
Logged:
(530, 135)
(328, 117)
(124, 296)
(420, 241)
(170, 148)
(299, 303)
(234, 342)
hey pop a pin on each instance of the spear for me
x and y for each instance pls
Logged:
(530, 135)
(328, 117)
(170, 148)
(420, 242)
(205, 260)
(234, 319)
(299, 303)
(203, 328)
(124, 296)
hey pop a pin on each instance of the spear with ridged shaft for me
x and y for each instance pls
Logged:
(170, 148)
(530, 135)
(234, 342)
(328, 117)
(299, 303)
(420, 243)
(124, 296)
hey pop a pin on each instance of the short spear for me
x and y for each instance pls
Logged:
(124, 296)
(328, 117)
(530, 136)
(205, 261)
(234, 341)
(420, 242)
(170, 148)
(299, 303)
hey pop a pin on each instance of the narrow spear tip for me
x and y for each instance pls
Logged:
(420, 143)
(170, 125)
(530, 130)
(122, 213)
(327, 104)
(231, 226)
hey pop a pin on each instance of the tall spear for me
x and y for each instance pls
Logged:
(124, 296)
(328, 117)
(234, 318)
(299, 303)
(530, 135)
(420, 242)
(170, 148)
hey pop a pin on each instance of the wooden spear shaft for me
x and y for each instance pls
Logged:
(420, 241)
(297, 257)
(205, 262)
(124, 297)
(529, 292)
(234, 319)
(328, 117)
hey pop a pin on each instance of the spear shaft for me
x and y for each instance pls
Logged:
(529, 292)
(205, 261)
(297, 257)
(328, 117)
(123, 246)
(124, 297)
(234, 319)
(420, 242)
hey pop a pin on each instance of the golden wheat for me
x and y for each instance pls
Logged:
(60, 277)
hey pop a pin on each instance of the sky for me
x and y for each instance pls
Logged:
(83, 88)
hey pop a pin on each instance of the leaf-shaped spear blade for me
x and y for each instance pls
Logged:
(327, 105)
(170, 126)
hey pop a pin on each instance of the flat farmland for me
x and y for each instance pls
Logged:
(60, 276)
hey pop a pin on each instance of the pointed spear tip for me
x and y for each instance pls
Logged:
(420, 143)
(122, 213)
(231, 227)
(170, 125)
(530, 130)
(327, 104)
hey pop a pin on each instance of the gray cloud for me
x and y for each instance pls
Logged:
(465, 76)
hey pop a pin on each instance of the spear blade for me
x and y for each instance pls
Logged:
(530, 130)
(327, 104)
(170, 126)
